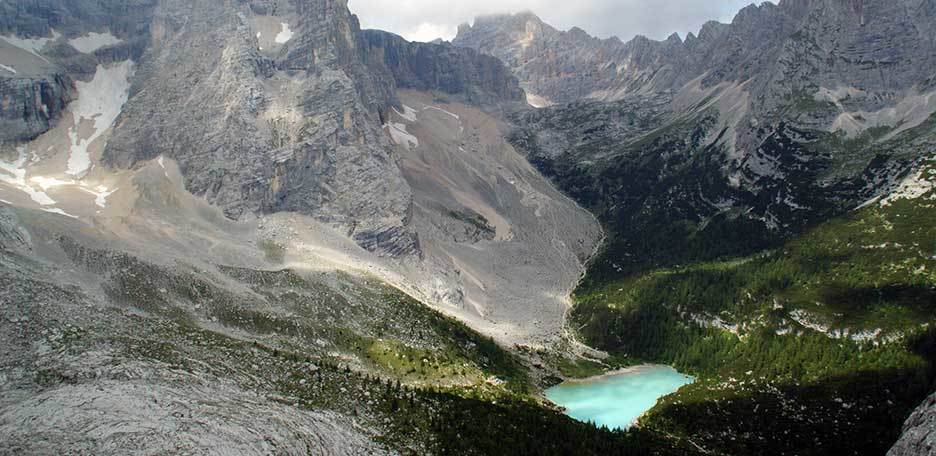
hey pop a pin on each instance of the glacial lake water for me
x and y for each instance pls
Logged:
(616, 400)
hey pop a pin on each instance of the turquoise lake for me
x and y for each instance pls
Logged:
(617, 400)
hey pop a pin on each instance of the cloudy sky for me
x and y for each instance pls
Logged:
(424, 20)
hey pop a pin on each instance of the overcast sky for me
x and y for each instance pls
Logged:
(425, 20)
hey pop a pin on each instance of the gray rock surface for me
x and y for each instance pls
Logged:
(793, 112)
(89, 364)
(285, 130)
(30, 105)
(258, 135)
(877, 46)
(13, 238)
(33, 98)
(259, 120)
(479, 78)
(919, 434)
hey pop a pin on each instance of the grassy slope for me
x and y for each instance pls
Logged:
(769, 384)
(335, 342)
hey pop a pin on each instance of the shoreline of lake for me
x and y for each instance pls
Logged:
(619, 398)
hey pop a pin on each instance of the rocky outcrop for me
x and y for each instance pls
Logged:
(563, 66)
(787, 48)
(40, 67)
(792, 113)
(266, 106)
(428, 66)
(36, 17)
(29, 106)
(261, 125)
(825, 66)
(13, 237)
(919, 433)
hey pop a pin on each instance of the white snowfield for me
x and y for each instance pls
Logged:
(100, 192)
(400, 136)
(408, 113)
(32, 45)
(55, 210)
(14, 174)
(537, 101)
(441, 110)
(97, 106)
(36, 187)
(93, 41)
(99, 101)
(284, 35)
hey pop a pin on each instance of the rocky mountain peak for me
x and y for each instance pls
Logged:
(266, 105)
(712, 30)
(756, 45)
(518, 20)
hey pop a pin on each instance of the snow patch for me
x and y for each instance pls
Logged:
(400, 136)
(14, 174)
(101, 199)
(100, 101)
(49, 182)
(58, 211)
(17, 178)
(94, 41)
(790, 202)
(8, 68)
(100, 193)
(162, 164)
(442, 111)
(537, 101)
(284, 35)
(31, 45)
(408, 113)
(868, 203)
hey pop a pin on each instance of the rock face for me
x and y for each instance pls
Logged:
(269, 107)
(480, 78)
(484, 215)
(30, 105)
(793, 112)
(13, 238)
(288, 123)
(36, 88)
(794, 45)
(919, 435)
(291, 127)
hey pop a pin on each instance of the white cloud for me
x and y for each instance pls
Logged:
(427, 31)
(424, 20)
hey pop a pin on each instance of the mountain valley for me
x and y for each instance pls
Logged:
(252, 227)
